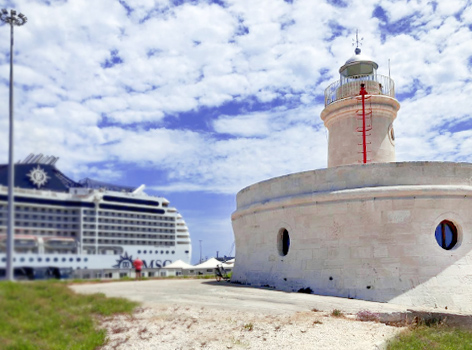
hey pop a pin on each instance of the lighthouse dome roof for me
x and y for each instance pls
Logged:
(358, 59)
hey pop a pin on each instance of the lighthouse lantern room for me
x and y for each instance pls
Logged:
(359, 112)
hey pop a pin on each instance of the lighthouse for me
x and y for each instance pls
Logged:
(359, 112)
(367, 227)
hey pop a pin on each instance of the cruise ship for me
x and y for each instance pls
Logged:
(87, 224)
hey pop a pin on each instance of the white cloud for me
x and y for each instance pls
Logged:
(152, 70)
(247, 125)
(198, 56)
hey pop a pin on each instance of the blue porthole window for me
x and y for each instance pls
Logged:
(446, 235)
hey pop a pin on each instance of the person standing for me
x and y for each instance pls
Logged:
(138, 265)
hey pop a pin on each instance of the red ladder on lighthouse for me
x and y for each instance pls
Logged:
(364, 118)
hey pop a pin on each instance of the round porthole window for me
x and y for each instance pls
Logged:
(391, 134)
(283, 242)
(446, 235)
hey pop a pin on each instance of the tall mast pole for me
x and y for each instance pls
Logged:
(14, 20)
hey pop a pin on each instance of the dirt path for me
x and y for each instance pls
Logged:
(196, 314)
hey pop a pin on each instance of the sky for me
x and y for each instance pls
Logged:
(198, 99)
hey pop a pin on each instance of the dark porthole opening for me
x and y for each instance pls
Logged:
(446, 234)
(283, 242)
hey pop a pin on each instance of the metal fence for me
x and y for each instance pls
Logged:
(348, 87)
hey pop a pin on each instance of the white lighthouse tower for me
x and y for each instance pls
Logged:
(359, 112)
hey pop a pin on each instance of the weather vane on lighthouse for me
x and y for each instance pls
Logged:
(357, 42)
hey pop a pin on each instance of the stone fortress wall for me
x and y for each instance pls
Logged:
(360, 231)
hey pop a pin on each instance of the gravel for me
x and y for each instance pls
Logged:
(194, 314)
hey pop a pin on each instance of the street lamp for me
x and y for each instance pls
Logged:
(13, 20)
(200, 251)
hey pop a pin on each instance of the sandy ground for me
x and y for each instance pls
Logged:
(196, 314)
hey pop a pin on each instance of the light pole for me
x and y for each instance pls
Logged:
(200, 251)
(13, 20)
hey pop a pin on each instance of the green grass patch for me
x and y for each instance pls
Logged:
(436, 337)
(337, 313)
(47, 315)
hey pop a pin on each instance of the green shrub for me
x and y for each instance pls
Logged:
(337, 313)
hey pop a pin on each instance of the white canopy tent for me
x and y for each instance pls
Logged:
(177, 268)
(179, 264)
(209, 264)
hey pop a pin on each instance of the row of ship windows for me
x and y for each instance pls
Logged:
(135, 223)
(42, 233)
(49, 224)
(43, 217)
(126, 235)
(43, 210)
(130, 229)
(48, 259)
(126, 215)
(119, 241)
(41, 224)
(87, 212)
(156, 222)
(155, 252)
(74, 226)
(131, 220)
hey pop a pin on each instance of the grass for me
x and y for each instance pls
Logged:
(337, 313)
(434, 337)
(47, 315)
(249, 326)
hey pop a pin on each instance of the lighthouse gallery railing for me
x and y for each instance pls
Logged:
(348, 87)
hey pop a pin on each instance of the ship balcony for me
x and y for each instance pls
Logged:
(349, 87)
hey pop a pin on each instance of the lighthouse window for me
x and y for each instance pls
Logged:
(283, 242)
(391, 134)
(446, 235)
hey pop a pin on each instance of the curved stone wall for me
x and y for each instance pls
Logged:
(360, 231)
